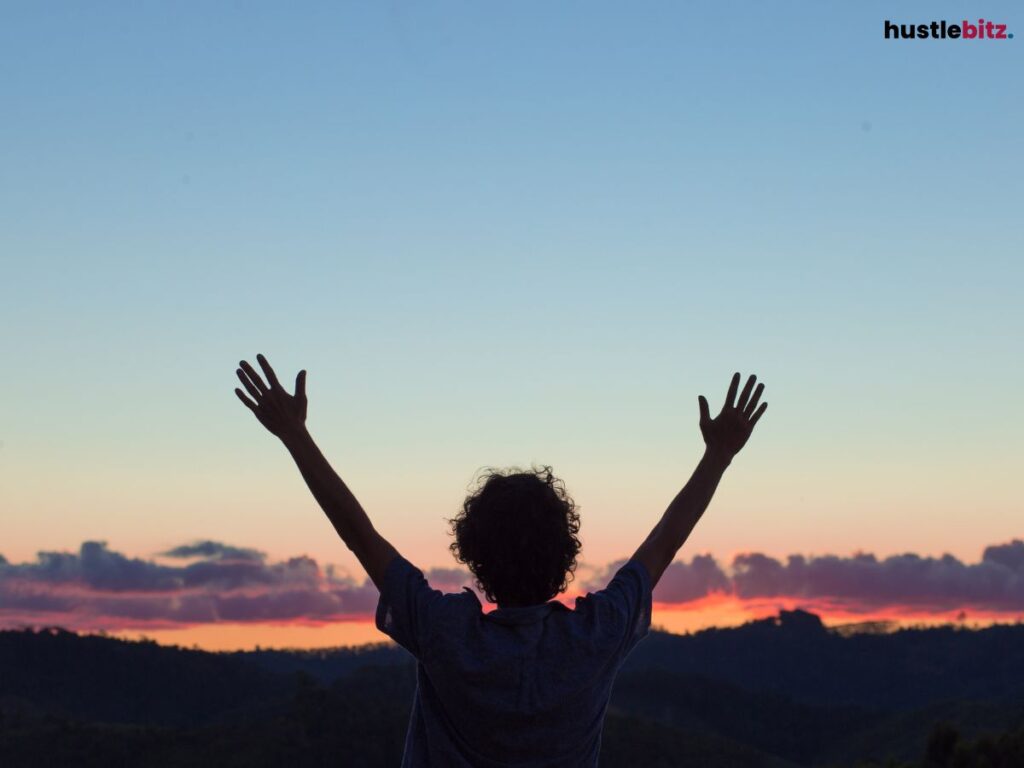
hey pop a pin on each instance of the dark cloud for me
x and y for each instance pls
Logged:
(680, 583)
(97, 587)
(213, 582)
(995, 583)
(859, 582)
(97, 567)
(451, 579)
(214, 550)
(1009, 555)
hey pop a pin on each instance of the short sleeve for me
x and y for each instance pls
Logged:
(622, 610)
(405, 604)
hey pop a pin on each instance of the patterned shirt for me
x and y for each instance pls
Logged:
(525, 687)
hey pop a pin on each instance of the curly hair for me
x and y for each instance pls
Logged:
(517, 532)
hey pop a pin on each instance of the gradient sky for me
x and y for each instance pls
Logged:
(503, 234)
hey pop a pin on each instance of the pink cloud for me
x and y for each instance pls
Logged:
(210, 582)
(860, 582)
(99, 588)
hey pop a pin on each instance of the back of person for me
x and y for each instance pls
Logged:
(524, 686)
(527, 684)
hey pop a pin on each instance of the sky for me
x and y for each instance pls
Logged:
(496, 235)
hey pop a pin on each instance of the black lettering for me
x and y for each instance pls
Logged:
(954, 31)
(891, 30)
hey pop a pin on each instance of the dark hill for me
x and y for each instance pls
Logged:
(780, 692)
(794, 655)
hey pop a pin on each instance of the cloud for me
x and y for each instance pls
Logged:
(450, 579)
(860, 582)
(680, 583)
(98, 588)
(210, 582)
(1010, 555)
(996, 583)
(214, 550)
(95, 567)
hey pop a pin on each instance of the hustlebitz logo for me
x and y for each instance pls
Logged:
(944, 30)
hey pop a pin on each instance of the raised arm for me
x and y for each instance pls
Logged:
(284, 415)
(724, 436)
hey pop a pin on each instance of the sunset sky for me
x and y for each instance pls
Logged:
(496, 235)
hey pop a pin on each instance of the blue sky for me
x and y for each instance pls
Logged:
(498, 234)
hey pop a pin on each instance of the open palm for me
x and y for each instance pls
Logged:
(282, 414)
(729, 431)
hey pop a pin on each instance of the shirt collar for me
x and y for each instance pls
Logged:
(526, 614)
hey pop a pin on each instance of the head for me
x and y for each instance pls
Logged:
(517, 532)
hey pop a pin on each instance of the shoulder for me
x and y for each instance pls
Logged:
(621, 612)
(630, 580)
(461, 604)
(637, 572)
(401, 577)
(453, 620)
(412, 612)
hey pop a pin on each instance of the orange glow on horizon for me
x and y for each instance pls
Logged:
(718, 610)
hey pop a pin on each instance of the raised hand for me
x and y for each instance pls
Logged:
(282, 414)
(729, 431)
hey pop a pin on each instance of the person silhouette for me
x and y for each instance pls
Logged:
(528, 683)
